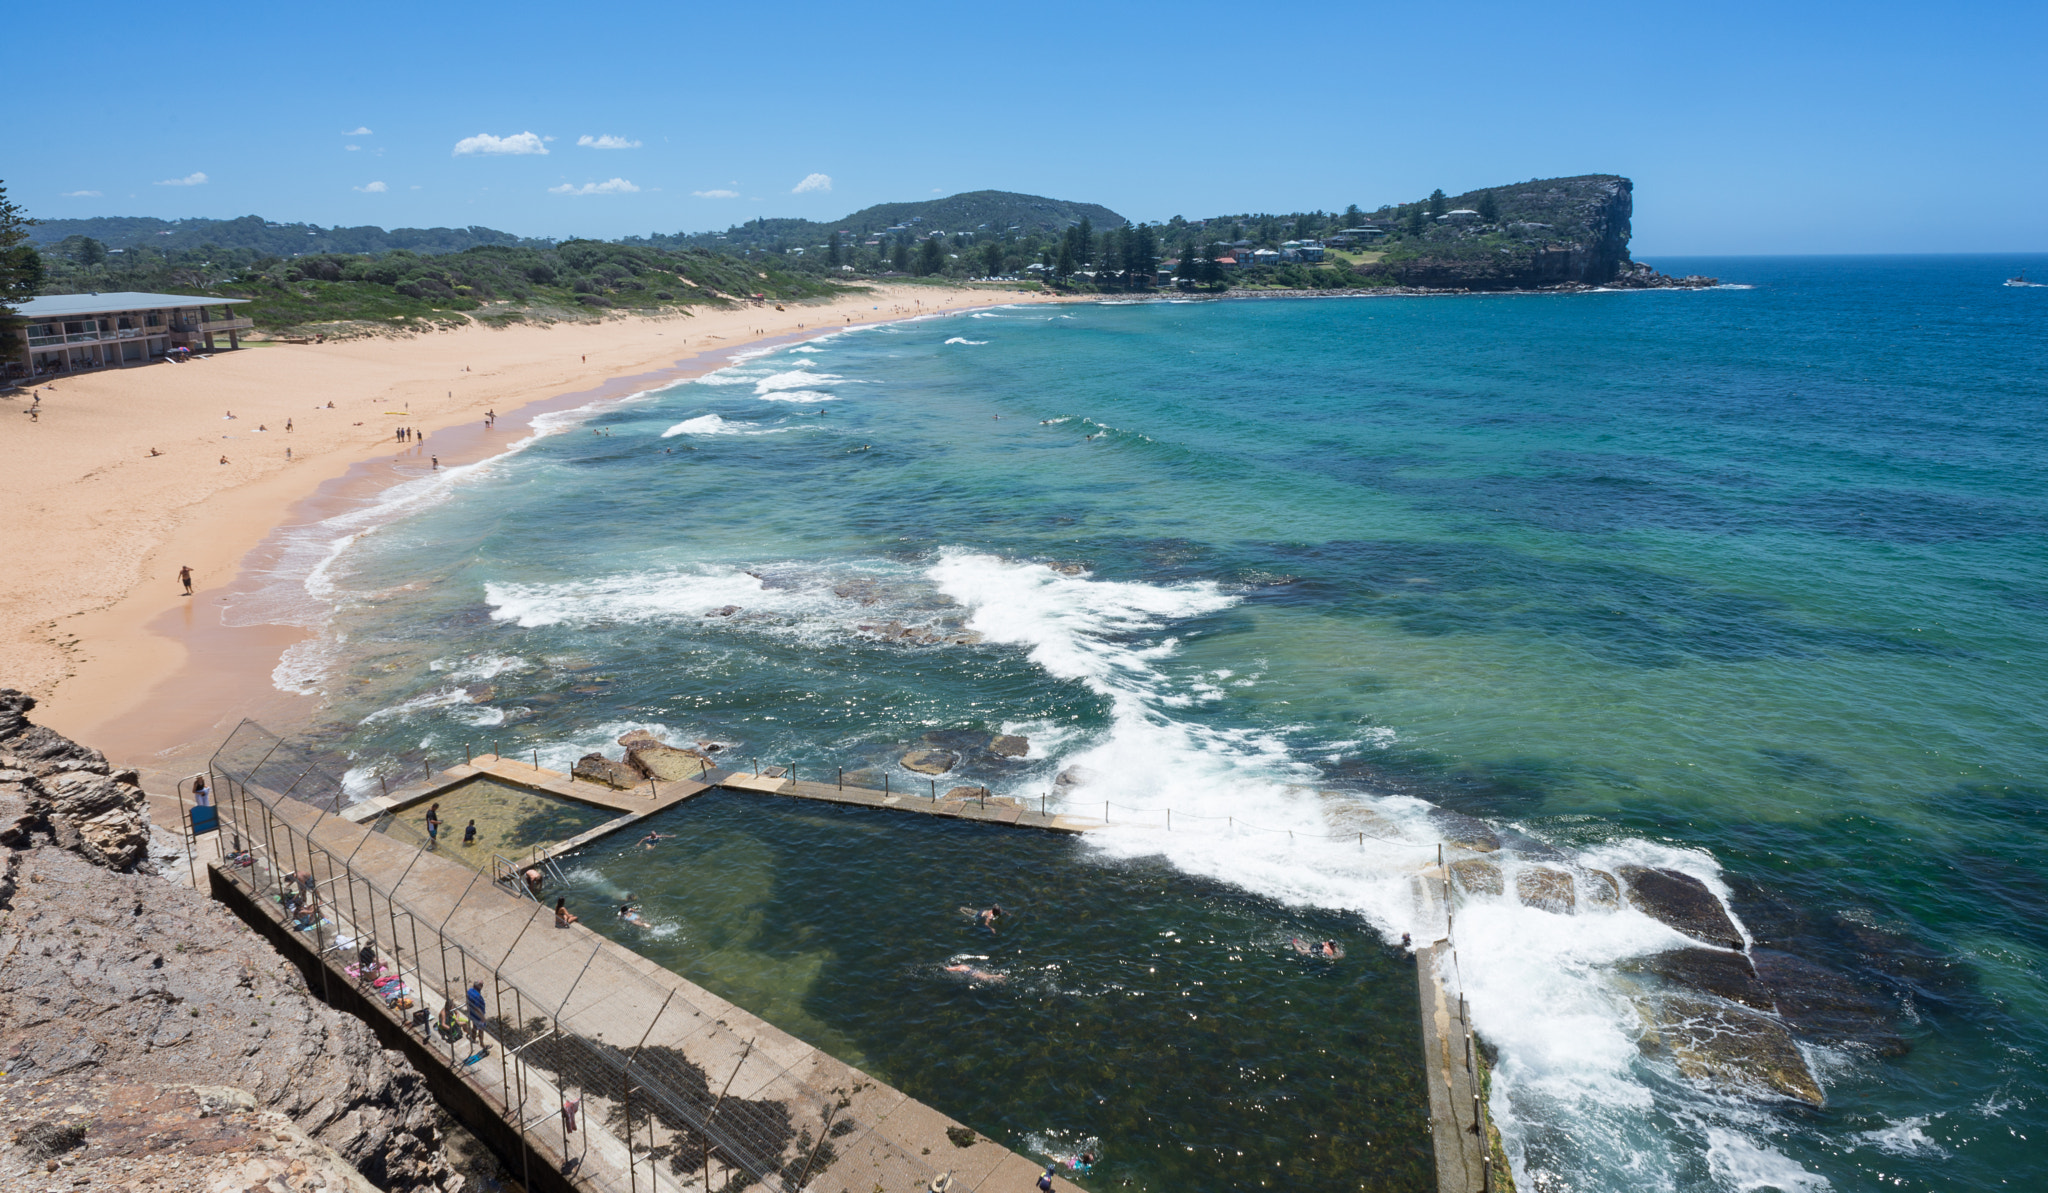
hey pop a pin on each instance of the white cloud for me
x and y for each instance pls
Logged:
(351, 148)
(195, 178)
(360, 131)
(517, 143)
(606, 141)
(616, 186)
(718, 194)
(812, 182)
(81, 194)
(374, 188)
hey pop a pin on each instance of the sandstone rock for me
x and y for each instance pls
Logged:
(668, 763)
(1074, 776)
(965, 793)
(1009, 745)
(1683, 902)
(1463, 831)
(930, 762)
(1711, 971)
(596, 768)
(52, 787)
(722, 611)
(1599, 889)
(1476, 876)
(1546, 890)
(1732, 1049)
(129, 958)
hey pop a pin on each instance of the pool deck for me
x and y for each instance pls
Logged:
(1457, 1115)
(661, 795)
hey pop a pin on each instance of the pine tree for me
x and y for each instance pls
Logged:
(930, 257)
(1141, 257)
(21, 267)
(1437, 202)
(1084, 242)
(834, 252)
(900, 257)
(1353, 216)
(992, 258)
(1489, 208)
(1063, 267)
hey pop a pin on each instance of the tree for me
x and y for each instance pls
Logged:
(1353, 216)
(1141, 257)
(900, 257)
(1416, 216)
(992, 258)
(1063, 265)
(1489, 208)
(834, 253)
(21, 267)
(930, 256)
(1084, 241)
(1437, 202)
(1211, 272)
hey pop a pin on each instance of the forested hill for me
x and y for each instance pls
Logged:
(255, 233)
(989, 213)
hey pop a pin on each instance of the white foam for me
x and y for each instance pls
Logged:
(965, 340)
(1904, 1137)
(712, 424)
(797, 395)
(480, 667)
(683, 594)
(794, 379)
(1741, 1163)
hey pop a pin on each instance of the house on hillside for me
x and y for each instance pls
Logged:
(1364, 234)
(75, 333)
(1302, 250)
(1265, 257)
(1463, 215)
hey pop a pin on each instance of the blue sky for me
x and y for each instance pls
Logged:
(1748, 128)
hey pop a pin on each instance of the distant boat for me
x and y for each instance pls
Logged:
(2020, 279)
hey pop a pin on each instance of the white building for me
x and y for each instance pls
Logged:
(75, 333)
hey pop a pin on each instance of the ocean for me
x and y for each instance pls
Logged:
(1750, 583)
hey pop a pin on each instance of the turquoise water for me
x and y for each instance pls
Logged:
(1750, 582)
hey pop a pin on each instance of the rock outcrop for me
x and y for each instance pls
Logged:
(52, 787)
(113, 980)
(1682, 901)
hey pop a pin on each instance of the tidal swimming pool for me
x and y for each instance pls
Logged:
(1165, 1021)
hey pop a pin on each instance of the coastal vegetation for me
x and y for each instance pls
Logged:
(302, 279)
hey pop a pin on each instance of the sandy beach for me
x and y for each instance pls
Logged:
(94, 622)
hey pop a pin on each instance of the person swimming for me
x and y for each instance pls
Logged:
(974, 974)
(631, 914)
(989, 916)
(653, 838)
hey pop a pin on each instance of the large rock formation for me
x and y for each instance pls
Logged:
(1683, 902)
(113, 981)
(1549, 232)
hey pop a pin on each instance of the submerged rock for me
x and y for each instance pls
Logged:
(1546, 890)
(1828, 1006)
(1682, 901)
(1599, 889)
(722, 611)
(1711, 971)
(930, 762)
(1463, 831)
(1009, 745)
(1731, 1048)
(1476, 876)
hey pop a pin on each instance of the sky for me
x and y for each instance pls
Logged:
(1747, 128)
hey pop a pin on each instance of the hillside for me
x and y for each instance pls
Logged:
(1543, 232)
(262, 236)
(996, 213)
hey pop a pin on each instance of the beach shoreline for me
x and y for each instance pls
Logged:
(97, 626)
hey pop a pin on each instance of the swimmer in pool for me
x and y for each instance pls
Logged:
(988, 918)
(652, 838)
(631, 914)
(976, 975)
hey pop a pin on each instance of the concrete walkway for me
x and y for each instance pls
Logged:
(599, 990)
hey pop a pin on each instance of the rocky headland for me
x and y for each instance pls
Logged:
(148, 1038)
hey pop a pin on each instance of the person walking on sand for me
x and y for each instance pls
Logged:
(185, 578)
(437, 462)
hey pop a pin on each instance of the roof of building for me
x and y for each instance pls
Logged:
(50, 306)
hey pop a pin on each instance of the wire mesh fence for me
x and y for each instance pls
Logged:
(609, 1073)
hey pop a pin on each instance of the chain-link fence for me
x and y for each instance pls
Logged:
(606, 1071)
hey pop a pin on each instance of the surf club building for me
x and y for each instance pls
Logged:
(62, 334)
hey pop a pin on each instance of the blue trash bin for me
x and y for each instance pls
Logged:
(205, 819)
